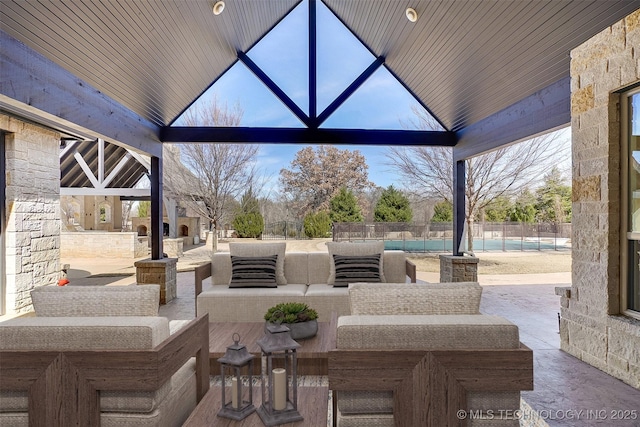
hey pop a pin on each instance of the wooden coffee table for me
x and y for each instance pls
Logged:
(312, 356)
(313, 404)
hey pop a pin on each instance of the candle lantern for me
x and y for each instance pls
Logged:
(234, 361)
(279, 379)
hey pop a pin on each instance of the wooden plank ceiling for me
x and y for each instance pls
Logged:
(465, 60)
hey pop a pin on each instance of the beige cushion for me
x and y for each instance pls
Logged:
(435, 332)
(365, 402)
(395, 269)
(348, 248)
(96, 301)
(412, 298)
(296, 267)
(260, 250)
(326, 299)
(318, 268)
(83, 333)
(245, 305)
(365, 420)
(221, 269)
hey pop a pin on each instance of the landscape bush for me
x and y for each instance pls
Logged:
(249, 225)
(317, 225)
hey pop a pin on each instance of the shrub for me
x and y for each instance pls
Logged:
(393, 206)
(249, 224)
(317, 225)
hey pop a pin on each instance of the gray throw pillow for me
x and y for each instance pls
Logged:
(349, 248)
(253, 272)
(356, 268)
(260, 250)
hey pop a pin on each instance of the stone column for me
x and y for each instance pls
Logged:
(159, 272)
(458, 268)
(32, 227)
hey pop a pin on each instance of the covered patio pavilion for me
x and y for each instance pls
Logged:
(491, 73)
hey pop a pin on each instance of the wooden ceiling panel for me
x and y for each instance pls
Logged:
(464, 60)
(153, 56)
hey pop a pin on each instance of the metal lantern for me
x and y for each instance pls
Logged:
(234, 360)
(279, 384)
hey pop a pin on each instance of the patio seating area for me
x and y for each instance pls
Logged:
(90, 109)
(567, 392)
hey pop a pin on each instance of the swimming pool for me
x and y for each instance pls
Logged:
(479, 245)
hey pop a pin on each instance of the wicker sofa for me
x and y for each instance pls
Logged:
(433, 355)
(101, 356)
(307, 277)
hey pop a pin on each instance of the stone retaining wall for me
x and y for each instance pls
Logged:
(96, 244)
(591, 327)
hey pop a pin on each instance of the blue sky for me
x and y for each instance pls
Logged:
(381, 102)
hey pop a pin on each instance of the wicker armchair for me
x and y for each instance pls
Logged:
(414, 354)
(101, 356)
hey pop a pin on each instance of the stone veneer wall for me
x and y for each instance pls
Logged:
(33, 210)
(591, 327)
(97, 244)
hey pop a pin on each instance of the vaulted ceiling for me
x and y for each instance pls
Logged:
(466, 61)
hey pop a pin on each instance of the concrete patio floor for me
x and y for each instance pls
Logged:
(567, 391)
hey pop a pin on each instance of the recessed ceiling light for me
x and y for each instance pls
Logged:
(411, 13)
(218, 8)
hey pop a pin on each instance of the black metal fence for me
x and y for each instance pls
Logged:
(283, 230)
(438, 236)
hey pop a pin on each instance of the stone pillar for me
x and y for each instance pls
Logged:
(159, 272)
(173, 247)
(32, 233)
(458, 268)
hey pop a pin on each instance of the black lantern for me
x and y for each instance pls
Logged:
(234, 360)
(279, 384)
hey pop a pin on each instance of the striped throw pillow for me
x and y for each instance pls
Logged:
(253, 272)
(356, 268)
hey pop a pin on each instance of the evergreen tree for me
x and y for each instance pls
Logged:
(249, 224)
(393, 206)
(498, 210)
(248, 221)
(524, 208)
(553, 199)
(144, 208)
(442, 212)
(344, 207)
(317, 225)
(249, 202)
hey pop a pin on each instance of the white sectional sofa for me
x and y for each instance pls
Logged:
(307, 276)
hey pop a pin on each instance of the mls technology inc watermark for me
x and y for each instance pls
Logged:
(569, 414)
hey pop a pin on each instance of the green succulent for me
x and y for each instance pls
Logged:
(290, 312)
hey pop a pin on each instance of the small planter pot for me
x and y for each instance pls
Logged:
(301, 330)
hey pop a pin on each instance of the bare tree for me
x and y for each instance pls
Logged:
(317, 175)
(428, 171)
(208, 178)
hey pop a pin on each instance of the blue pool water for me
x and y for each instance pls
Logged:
(446, 245)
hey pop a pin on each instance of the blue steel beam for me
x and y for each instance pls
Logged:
(348, 91)
(239, 135)
(273, 87)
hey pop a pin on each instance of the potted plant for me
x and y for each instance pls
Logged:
(297, 316)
